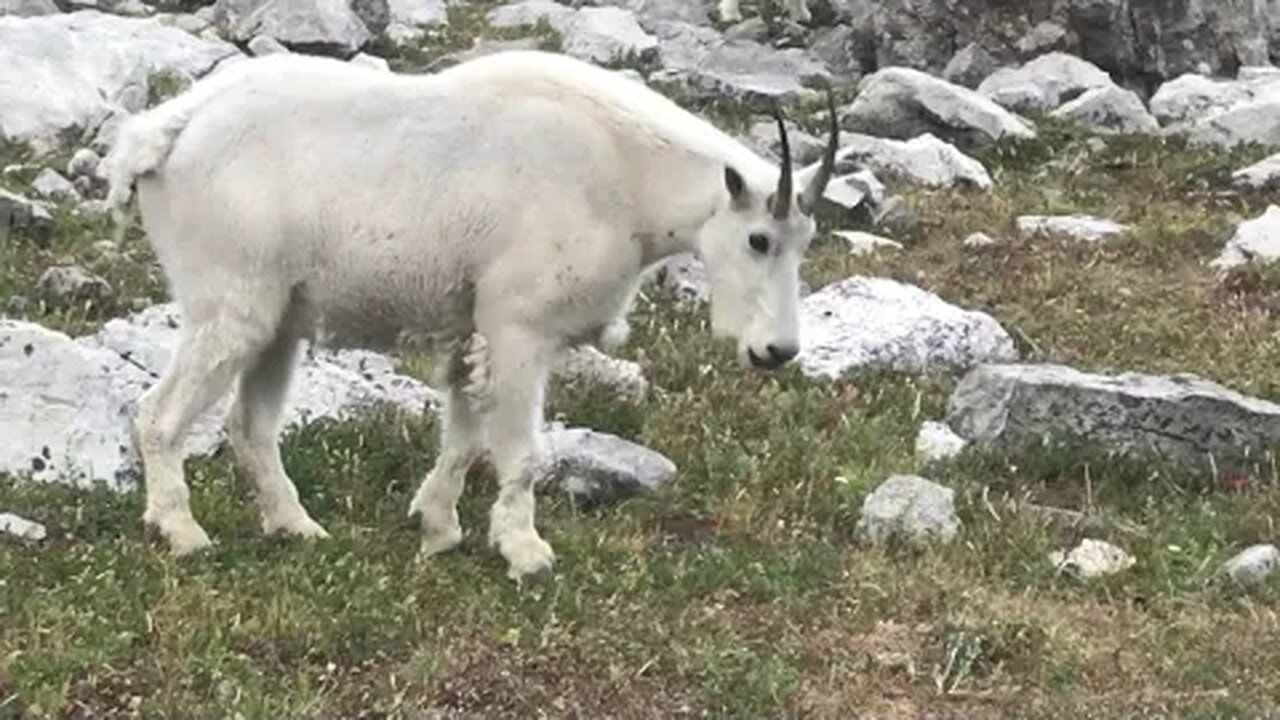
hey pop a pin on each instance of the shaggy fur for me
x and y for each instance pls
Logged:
(505, 207)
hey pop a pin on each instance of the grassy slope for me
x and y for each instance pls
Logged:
(741, 591)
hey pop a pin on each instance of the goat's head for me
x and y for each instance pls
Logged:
(752, 250)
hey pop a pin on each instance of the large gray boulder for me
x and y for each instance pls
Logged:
(903, 103)
(1255, 121)
(924, 160)
(1044, 83)
(599, 35)
(1193, 97)
(409, 18)
(28, 8)
(596, 468)
(329, 27)
(62, 72)
(1262, 175)
(1181, 417)
(66, 404)
(1109, 109)
(877, 323)
(1256, 240)
(707, 66)
(22, 216)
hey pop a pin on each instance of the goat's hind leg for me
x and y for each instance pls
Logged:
(253, 428)
(209, 356)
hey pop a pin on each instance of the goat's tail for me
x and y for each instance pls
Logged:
(144, 140)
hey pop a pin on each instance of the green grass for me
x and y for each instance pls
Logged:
(741, 591)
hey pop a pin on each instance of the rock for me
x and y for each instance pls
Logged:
(371, 61)
(28, 8)
(1044, 83)
(1077, 227)
(71, 71)
(875, 323)
(1191, 97)
(1046, 35)
(596, 34)
(1253, 565)
(597, 468)
(133, 8)
(50, 185)
(588, 366)
(684, 276)
(17, 306)
(969, 66)
(864, 243)
(837, 48)
(1182, 418)
(925, 160)
(21, 528)
(936, 443)
(845, 192)
(805, 148)
(895, 216)
(93, 209)
(65, 285)
(979, 240)
(655, 12)
(325, 27)
(910, 508)
(187, 22)
(262, 45)
(1254, 121)
(903, 103)
(1263, 175)
(409, 18)
(1256, 240)
(1092, 559)
(66, 405)
(706, 66)
(1109, 109)
(26, 217)
(83, 164)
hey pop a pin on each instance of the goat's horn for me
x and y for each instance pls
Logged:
(782, 198)
(818, 184)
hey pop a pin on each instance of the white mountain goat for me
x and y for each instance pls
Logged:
(505, 208)
(797, 10)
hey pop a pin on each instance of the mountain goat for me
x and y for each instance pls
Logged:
(505, 207)
(797, 10)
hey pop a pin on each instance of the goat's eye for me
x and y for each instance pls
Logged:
(759, 243)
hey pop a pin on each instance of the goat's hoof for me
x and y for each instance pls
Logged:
(299, 526)
(435, 543)
(183, 535)
(532, 557)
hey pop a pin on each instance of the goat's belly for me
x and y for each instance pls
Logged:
(378, 314)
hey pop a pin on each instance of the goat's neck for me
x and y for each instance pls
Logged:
(678, 193)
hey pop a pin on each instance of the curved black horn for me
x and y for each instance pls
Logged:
(782, 198)
(818, 184)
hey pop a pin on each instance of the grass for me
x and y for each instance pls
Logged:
(741, 591)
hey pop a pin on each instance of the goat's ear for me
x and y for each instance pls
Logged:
(736, 186)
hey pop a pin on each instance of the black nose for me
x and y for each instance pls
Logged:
(777, 356)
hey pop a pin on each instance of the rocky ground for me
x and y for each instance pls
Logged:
(1025, 465)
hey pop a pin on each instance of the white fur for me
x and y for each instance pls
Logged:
(798, 10)
(505, 207)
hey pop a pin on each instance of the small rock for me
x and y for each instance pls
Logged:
(937, 442)
(371, 61)
(93, 208)
(1263, 175)
(1076, 227)
(262, 45)
(902, 103)
(83, 164)
(1092, 559)
(864, 243)
(1256, 240)
(895, 216)
(753, 28)
(805, 148)
(21, 528)
(1252, 122)
(50, 185)
(133, 8)
(1190, 97)
(31, 218)
(876, 323)
(597, 468)
(17, 306)
(1046, 35)
(1253, 565)
(587, 365)
(866, 182)
(911, 508)
(187, 22)
(1109, 109)
(64, 285)
(979, 240)
(969, 66)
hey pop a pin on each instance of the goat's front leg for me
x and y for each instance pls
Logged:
(519, 362)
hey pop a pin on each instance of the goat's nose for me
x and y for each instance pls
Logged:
(782, 354)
